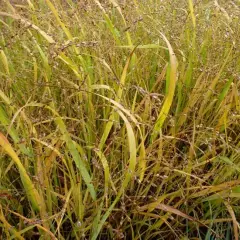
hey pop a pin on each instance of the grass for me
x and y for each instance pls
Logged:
(119, 119)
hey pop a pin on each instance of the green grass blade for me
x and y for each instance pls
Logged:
(224, 92)
(169, 97)
(55, 13)
(128, 176)
(117, 100)
(75, 154)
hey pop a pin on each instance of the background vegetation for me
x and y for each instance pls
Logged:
(119, 119)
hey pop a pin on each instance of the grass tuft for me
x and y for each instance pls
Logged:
(119, 119)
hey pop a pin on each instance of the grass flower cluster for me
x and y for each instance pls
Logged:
(119, 119)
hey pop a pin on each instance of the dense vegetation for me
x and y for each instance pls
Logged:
(119, 119)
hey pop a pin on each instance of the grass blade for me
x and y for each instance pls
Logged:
(30, 189)
(75, 154)
(171, 82)
(128, 176)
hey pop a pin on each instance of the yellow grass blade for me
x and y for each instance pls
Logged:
(55, 13)
(71, 64)
(190, 3)
(127, 177)
(217, 188)
(4, 60)
(132, 151)
(4, 97)
(8, 226)
(236, 226)
(106, 170)
(142, 160)
(30, 189)
(170, 94)
(116, 102)
(26, 22)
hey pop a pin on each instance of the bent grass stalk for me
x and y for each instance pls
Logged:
(127, 177)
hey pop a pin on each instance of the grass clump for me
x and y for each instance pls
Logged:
(119, 120)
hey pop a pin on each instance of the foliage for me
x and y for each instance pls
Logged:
(119, 119)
